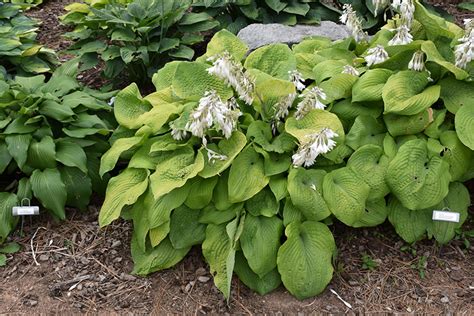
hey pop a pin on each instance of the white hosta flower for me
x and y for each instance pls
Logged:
(351, 20)
(232, 72)
(282, 107)
(311, 100)
(213, 156)
(464, 52)
(406, 9)
(402, 37)
(297, 78)
(212, 111)
(348, 69)
(417, 62)
(313, 146)
(376, 55)
(178, 134)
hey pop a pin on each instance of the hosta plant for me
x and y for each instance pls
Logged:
(52, 135)
(19, 51)
(136, 37)
(253, 156)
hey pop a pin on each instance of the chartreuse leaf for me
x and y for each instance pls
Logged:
(456, 154)
(220, 255)
(230, 148)
(304, 260)
(365, 130)
(433, 55)
(111, 156)
(338, 87)
(328, 69)
(49, 188)
(11, 247)
(129, 105)
(122, 190)
(260, 241)
(370, 164)
(7, 221)
(410, 225)
(159, 115)
(164, 77)
(348, 111)
(464, 123)
(71, 154)
(314, 122)
(225, 41)
(263, 285)
(376, 213)
(405, 93)
(398, 125)
(370, 84)
(261, 133)
(263, 203)
(346, 193)
(243, 185)
(185, 229)
(78, 187)
(192, 80)
(458, 200)
(417, 180)
(456, 93)
(161, 257)
(174, 169)
(275, 59)
(200, 193)
(306, 193)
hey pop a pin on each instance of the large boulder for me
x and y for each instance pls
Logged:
(256, 35)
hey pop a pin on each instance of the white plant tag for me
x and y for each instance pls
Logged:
(445, 216)
(25, 210)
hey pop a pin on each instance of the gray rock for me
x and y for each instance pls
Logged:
(257, 35)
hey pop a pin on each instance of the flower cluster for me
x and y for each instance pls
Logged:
(283, 106)
(313, 146)
(417, 62)
(376, 55)
(380, 4)
(348, 69)
(311, 100)
(464, 52)
(407, 13)
(297, 78)
(351, 20)
(232, 72)
(211, 112)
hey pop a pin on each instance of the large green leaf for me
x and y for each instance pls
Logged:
(275, 59)
(433, 55)
(110, 157)
(174, 169)
(263, 203)
(415, 178)
(376, 213)
(78, 187)
(304, 260)
(260, 241)
(338, 87)
(49, 188)
(314, 122)
(71, 154)
(405, 93)
(410, 225)
(42, 154)
(7, 221)
(229, 147)
(18, 147)
(129, 105)
(122, 190)
(365, 130)
(200, 193)
(261, 133)
(456, 154)
(185, 229)
(225, 41)
(456, 93)
(262, 285)
(398, 125)
(306, 192)
(346, 193)
(161, 257)
(244, 185)
(464, 122)
(370, 84)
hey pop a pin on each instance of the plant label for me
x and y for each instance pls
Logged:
(25, 210)
(445, 216)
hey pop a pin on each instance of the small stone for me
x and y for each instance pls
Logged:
(353, 283)
(118, 259)
(33, 303)
(116, 244)
(201, 271)
(43, 257)
(203, 279)
(79, 287)
(445, 300)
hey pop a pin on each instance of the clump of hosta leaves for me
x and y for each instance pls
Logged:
(19, 51)
(135, 37)
(53, 134)
(252, 156)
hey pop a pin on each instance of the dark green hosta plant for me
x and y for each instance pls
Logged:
(252, 157)
(137, 37)
(52, 135)
(19, 51)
